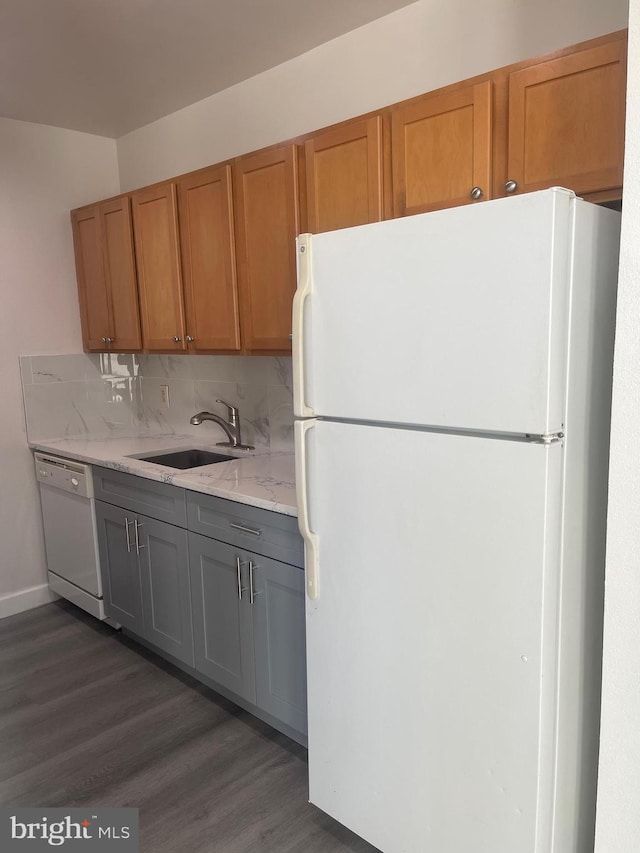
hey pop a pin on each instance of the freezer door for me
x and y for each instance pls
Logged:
(456, 318)
(431, 646)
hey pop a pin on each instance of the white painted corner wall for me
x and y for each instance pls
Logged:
(428, 44)
(25, 599)
(44, 173)
(618, 813)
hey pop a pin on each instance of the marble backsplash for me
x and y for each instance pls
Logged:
(112, 394)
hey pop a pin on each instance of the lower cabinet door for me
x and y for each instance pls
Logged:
(119, 566)
(166, 600)
(279, 640)
(222, 618)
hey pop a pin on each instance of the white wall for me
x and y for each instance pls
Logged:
(618, 812)
(421, 47)
(44, 172)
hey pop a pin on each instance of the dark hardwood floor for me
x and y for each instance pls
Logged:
(88, 717)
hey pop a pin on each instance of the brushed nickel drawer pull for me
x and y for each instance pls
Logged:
(241, 588)
(252, 592)
(137, 525)
(243, 529)
(126, 528)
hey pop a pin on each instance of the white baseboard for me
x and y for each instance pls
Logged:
(25, 599)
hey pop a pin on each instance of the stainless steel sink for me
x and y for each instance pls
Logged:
(184, 459)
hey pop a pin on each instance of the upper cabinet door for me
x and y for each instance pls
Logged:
(566, 121)
(155, 222)
(208, 260)
(344, 176)
(441, 150)
(120, 274)
(267, 222)
(92, 286)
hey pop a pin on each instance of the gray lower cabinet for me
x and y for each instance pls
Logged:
(149, 497)
(250, 527)
(279, 640)
(249, 627)
(119, 567)
(215, 584)
(166, 599)
(144, 569)
(222, 619)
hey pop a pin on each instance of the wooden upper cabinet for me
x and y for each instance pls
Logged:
(344, 168)
(155, 226)
(92, 286)
(267, 222)
(441, 149)
(105, 268)
(215, 250)
(120, 273)
(208, 260)
(566, 121)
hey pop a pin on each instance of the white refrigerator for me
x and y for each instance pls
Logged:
(452, 380)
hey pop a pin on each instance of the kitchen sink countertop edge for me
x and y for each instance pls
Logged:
(257, 478)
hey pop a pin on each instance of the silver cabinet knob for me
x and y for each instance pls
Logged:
(511, 186)
(476, 193)
(107, 341)
(176, 339)
(189, 339)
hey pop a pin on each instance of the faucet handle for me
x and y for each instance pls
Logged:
(233, 411)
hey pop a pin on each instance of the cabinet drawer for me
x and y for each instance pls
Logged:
(258, 530)
(157, 500)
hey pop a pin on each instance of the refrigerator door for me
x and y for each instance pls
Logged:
(456, 318)
(431, 645)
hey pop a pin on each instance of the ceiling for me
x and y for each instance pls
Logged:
(110, 66)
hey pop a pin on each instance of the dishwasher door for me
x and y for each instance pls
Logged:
(66, 495)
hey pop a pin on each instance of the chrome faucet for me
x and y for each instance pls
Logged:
(231, 427)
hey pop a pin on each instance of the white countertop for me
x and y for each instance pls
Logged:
(258, 478)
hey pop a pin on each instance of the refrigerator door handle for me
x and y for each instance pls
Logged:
(310, 539)
(303, 245)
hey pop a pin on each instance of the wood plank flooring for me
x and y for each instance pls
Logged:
(87, 717)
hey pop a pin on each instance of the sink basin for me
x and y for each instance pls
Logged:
(184, 459)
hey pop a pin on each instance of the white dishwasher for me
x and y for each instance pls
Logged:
(70, 534)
